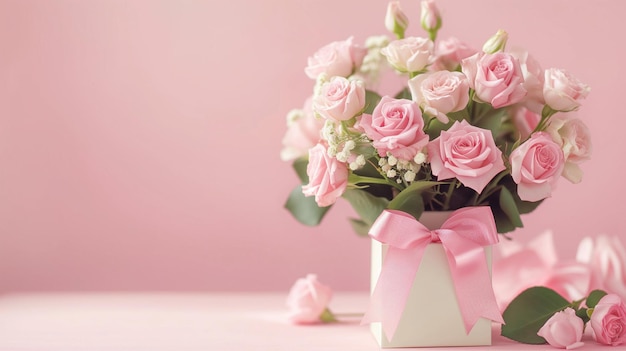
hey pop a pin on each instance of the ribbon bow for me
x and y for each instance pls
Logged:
(462, 236)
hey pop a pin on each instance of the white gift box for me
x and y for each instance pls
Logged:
(432, 316)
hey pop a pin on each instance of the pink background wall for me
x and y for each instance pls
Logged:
(140, 140)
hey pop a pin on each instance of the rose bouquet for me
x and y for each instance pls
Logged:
(469, 127)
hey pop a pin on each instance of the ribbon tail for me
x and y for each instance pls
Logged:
(393, 287)
(472, 282)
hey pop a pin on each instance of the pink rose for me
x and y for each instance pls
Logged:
(410, 54)
(533, 81)
(307, 300)
(328, 178)
(497, 78)
(441, 92)
(303, 132)
(340, 99)
(562, 91)
(525, 121)
(575, 140)
(339, 58)
(395, 126)
(466, 152)
(606, 257)
(449, 54)
(608, 321)
(563, 330)
(536, 166)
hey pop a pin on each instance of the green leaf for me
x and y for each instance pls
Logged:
(490, 120)
(357, 179)
(594, 298)
(529, 311)
(503, 223)
(522, 206)
(371, 100)
(509, 207)
(404, 94)
(582, 314)
(459, 115)
(369, 170)
(304, 208)
(360, 227)
(410, 199)
(365, 204)
(435, 127)
(299, 165)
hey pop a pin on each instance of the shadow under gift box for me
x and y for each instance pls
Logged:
(431, 316)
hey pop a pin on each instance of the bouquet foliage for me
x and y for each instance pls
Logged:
(469, 127)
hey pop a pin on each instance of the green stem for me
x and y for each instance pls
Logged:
(491, 188)
(546, 114)
(576, 304)
(432, 35)
(453, 185)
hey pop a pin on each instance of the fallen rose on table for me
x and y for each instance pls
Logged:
(540, 315)
(308, 302)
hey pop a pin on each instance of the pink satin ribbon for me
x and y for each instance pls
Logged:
(463, 236)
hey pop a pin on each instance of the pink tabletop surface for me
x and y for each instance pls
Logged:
(175, 321)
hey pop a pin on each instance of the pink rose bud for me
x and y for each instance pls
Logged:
(395, 20)
(339, 58)
(430, 17)
(608, 321)
(440, 92)
(536, 166)
(563, 330)
(328, 178)
(496, 43)
(396, 127)
(308, 301)
(410, 54)
(340, 99)
(562, 91)
(468, 153)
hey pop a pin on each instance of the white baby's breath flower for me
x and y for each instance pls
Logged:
(391, 173)
(382, 162)
(403, 164)
(321, 79)
(343, 156)
(392, 160)
(360, 160)
(376, 41)
(350, 145)
(419, 158)
(409, 176)
(294, 115)
(332, 151)
(414, 168)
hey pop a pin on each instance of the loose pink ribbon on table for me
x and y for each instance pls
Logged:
(463, 236)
